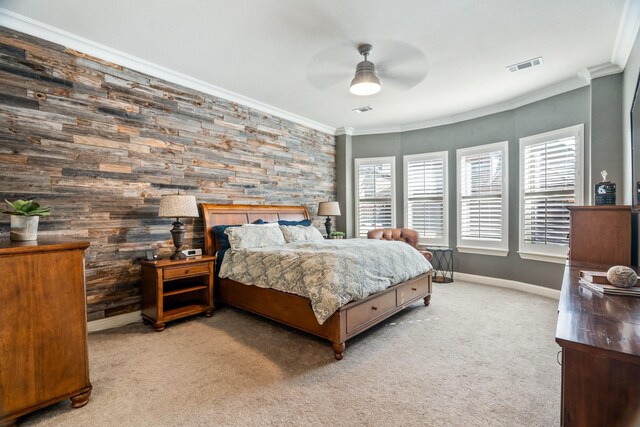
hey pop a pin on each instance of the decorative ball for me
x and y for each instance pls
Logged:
(622, 276)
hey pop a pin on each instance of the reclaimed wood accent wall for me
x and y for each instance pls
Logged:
(101, 143)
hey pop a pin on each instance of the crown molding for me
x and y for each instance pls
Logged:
(538, 95)
(627, 33)
(344, 131)
(601, 70)
(50, 33)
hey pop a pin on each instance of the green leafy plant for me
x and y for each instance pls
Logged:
(337, 234)
(27, 208)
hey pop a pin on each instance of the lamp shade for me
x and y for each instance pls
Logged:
(178, 206)
(328, 209)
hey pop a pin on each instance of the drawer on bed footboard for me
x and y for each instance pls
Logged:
(369, 310)
(412, 291)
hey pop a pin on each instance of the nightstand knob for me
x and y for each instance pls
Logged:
(414, 289)
(186, 271)
(374, 307)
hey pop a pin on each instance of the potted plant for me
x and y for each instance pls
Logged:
(336, 235)
(24, 219)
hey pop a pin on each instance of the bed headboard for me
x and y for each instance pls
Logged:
(213, 214)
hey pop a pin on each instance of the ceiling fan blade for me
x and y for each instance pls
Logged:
(324, 81)
(405, 79)
(332, 67)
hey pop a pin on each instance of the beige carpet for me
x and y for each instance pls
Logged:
(478, 356)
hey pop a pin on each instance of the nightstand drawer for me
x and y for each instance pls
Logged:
(171, 273)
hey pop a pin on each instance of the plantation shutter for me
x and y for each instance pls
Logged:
(425, 196)
(481, 196)
(375, 202)
(549, 187)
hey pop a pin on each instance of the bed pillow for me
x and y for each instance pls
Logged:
(254, 237)
(219, 232)
(261, 224)
(223, 240)
(300, 233)
(305, 222)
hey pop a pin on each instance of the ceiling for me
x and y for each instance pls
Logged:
(436, 59)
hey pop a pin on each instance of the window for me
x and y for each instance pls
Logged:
(550, 180)
(483, 215)
(375, 195)
(426, 202)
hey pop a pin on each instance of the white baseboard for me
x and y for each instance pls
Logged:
(114, 322)
(511, 284)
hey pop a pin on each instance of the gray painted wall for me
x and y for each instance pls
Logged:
(557, 112)
(630, 79)
(344, 174)
(606, 129)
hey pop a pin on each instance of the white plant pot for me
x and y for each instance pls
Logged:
(24, 228)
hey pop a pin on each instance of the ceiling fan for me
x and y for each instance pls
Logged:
(399, 66)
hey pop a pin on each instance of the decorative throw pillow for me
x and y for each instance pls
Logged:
(254, 237)
(300, 233)
(305, 222)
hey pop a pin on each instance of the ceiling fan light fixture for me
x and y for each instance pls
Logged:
(365, 81)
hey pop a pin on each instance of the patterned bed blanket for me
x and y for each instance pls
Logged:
(330, 273)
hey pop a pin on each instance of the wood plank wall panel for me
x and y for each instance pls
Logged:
(101, 143)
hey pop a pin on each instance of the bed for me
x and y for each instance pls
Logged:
(294, 310)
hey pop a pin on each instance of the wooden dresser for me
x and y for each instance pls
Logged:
(43, 333)
(599, 334)
(600, 340)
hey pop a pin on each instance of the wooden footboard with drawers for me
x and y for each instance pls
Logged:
(294, 310)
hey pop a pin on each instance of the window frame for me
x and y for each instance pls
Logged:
(356, 172)
(543, 252)
(444, 156)
(475, 246)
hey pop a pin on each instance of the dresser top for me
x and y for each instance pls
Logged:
(589, 320)
(43, 244)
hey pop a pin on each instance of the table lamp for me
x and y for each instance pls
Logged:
(328, 209)
(178, 206)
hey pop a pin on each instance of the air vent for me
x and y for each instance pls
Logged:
(362, 109)
(526, 64)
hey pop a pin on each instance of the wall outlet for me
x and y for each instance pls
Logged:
(192, 252)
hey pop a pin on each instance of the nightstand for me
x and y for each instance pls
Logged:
(175, 289)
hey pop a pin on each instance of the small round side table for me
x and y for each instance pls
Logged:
(442, 264)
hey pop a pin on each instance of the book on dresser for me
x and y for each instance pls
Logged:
(599, 277)
(597, 281)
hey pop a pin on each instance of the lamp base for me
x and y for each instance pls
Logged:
(328, 226)
(177, 232)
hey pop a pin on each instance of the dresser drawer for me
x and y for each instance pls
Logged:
(412, 291)
(171, 273)
(364, 313)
